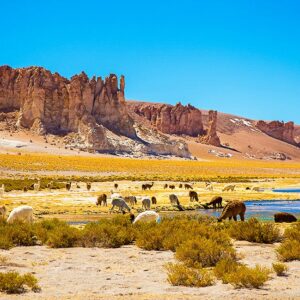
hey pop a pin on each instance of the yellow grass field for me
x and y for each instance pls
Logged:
(142, 169)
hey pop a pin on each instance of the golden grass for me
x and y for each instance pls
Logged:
(146, 169)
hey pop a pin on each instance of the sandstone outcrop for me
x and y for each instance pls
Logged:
(93, 112)
(178, 119)
(211, 137)
(278, 130)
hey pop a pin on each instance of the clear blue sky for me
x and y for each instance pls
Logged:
(240, 57)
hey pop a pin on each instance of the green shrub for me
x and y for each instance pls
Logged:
(64, 237)
(112, 233)
(254, 231)
(14, 283)
(247, 277)
(280, 268)
(203, 252)
(179, 274)
(16, 234)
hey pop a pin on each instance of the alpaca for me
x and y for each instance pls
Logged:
(68, 186)
(216, 202)
(147, 186)
(2, 212)
(25, 189)
(153, 200)
(193, 196)
(116, 186)
(165, 186)
(209, 187)
(174, 199)
(172, 186)
(102, 199)
(50, 185)
(284, 217)
(37, 185)
(188, 186)
(229, 187)
(146, 203)
(88, 186)
(21, 213)
(256, 188)
(120, 203)
(2, 190)
(180, 186)
(148, 215)
(130, 200)
(232, 209)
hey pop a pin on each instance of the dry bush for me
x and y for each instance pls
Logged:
(254, 231)
(203, 252)
(290, 248)
(247, 277)
(225, 266)
(14, 283)
(280, 268)
(179, 274)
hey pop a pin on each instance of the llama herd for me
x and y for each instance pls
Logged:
(117, 201)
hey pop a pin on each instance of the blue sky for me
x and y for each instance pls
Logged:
(240, 57)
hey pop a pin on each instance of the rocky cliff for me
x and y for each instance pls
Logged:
(94, 109)
(178, 119)
(278, 130)
(211, 137)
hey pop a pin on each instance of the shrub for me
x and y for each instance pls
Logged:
(289, 250)
(64, 237)
(112, 233)
(179, 274)
(203, 252)
(280, 268)
(247, 277)
(224, 267)
(45, 227)
(254, 231)
(14, 283)
(16, 234)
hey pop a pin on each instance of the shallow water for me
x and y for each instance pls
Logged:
(263, 210)
(287, 190)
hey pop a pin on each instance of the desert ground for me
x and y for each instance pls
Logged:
(132, 273)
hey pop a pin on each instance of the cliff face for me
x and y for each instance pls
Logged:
(278, 130)
(93, 109)
(49, 102)
(170, 119)
(211, 137)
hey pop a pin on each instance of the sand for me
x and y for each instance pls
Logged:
(132, 273)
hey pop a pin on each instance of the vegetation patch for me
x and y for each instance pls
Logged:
(254, 231)
(179, 274)
(280, 268)
(14, 283)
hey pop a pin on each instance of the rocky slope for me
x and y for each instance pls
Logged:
(228, 135)
(93, 109)
(279, 130)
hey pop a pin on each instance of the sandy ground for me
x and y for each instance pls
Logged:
(132, 273)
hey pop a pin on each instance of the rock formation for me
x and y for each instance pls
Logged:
(92, 111)
(211, 137)
(50, 102)
(278, 130)
(178, 119)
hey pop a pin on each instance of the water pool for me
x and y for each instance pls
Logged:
(263, 210)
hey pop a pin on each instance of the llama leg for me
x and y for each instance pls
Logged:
(242, 216)
(230, 218)
(234, 218)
